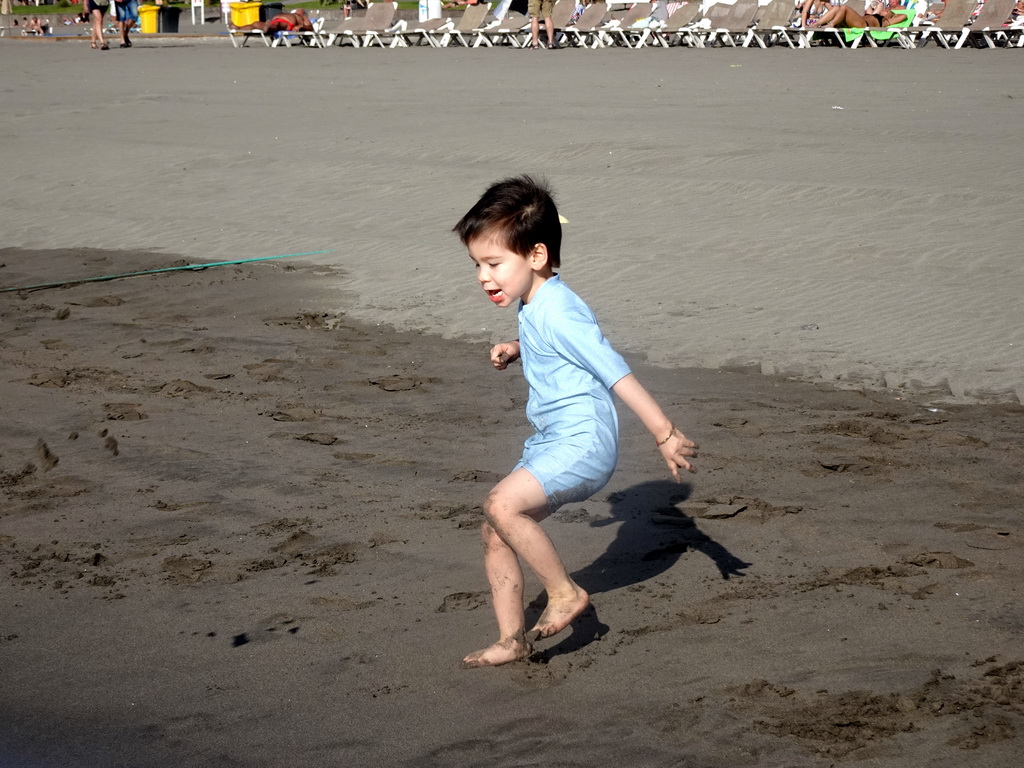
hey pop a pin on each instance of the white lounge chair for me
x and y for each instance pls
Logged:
(561, 15)
(988, 25)
(420, 32)
(241, 37)
(359, 31)
(725, 23)
(585, 32)
(772, 22)
(945, 30)
(381, 26)
(507, 31)
(683, 17)
(627, 30)
(468, 26)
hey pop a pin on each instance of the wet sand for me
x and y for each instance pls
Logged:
(240, 505)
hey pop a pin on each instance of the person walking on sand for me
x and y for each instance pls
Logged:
(95, 10)
(514, 236)
(127, 17)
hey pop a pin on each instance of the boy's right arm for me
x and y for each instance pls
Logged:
(675, 447)
(504, 353)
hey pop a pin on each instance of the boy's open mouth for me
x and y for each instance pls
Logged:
(496, 295)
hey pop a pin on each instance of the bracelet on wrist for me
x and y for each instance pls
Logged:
(671, 431)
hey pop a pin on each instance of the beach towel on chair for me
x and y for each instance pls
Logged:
(884, 34)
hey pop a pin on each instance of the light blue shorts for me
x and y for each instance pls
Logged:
(127, 11)
(571, 468)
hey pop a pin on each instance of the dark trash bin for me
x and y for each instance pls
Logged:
(270, 10)
(167, 20)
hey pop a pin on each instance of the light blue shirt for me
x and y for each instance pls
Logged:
(569, 365)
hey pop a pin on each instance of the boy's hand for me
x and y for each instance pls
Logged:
(677, 452)
(504, 353)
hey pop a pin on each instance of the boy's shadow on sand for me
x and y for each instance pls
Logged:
(653, 534)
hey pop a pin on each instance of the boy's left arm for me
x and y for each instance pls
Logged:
(675, 447)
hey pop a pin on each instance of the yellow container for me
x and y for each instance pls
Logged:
(243, 14)
(147, 19)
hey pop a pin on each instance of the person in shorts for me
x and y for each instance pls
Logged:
(95, 11)
(514, 238)
(127, 17)
(541, 9)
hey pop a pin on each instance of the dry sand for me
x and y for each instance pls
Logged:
(240, 505)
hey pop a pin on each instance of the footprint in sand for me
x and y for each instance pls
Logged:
(123, 412)
(943, 560)
(312, 320)
(105, 301)
(320, 438)
(477, 476)
(47, 459)
(267, 563)
(185, 569)
(277, 525)
(297, 413)
(462, 601)
(51, 380)
(272, 627)
(397, 383)
(180, 387)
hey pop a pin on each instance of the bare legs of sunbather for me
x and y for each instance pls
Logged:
(512, 532)
(256, 25)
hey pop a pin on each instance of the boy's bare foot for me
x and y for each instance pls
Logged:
(559, 614)
(502, 652)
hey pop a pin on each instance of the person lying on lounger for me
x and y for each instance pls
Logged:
(844, 17)
(296, 21)
(808, 8)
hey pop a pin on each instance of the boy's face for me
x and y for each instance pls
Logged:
(506, 276)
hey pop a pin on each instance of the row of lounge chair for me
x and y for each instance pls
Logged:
(956, 28)
(744, 23)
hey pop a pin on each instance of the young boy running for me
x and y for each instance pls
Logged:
(514, 238)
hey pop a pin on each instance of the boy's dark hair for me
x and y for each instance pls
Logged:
(520, 212)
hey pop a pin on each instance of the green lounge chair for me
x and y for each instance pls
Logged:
(879, 38)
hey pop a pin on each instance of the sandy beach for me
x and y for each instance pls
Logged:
(240, 505)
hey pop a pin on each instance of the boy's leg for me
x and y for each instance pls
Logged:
(514, 510)
(505, 576)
